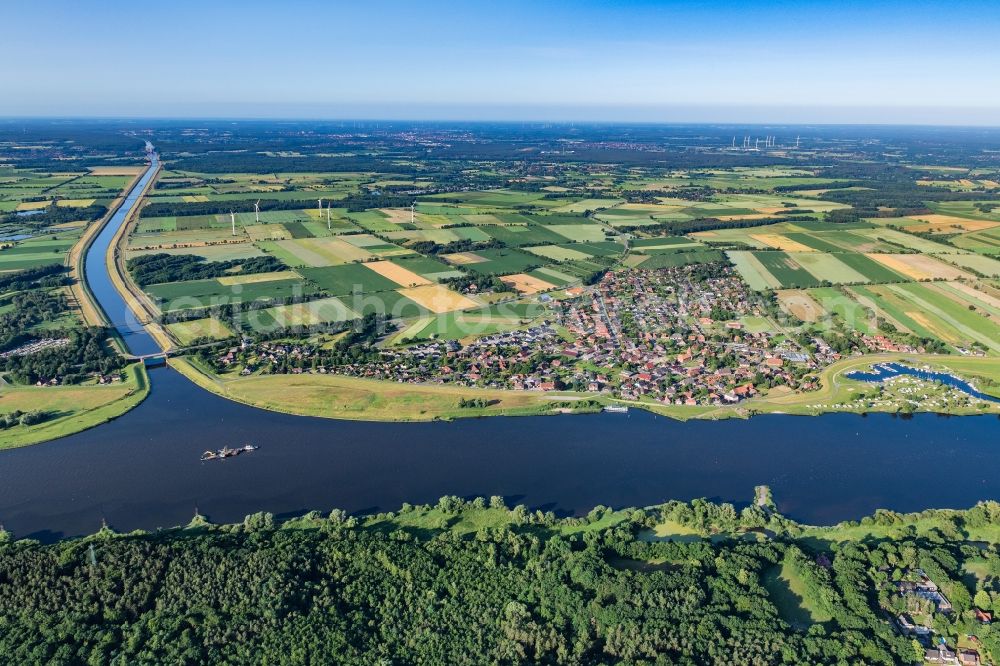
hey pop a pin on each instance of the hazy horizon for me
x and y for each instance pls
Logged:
(780, 61)
(986, 119)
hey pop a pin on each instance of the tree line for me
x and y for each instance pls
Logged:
(516, 586)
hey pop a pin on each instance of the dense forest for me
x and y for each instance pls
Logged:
(86, 353)
(31, 308)
(54, 214)
(475, 582)
(161, 267)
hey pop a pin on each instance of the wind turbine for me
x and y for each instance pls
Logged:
(232, 216)
(411, 213)
(756, 144)
(734, 142)
(328, 206)
(256, 211)
(319, 205)
(796, 143)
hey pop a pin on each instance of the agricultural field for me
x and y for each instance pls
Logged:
(309, 313)
(977, 263)
(193, 294)
(497, 262)
(40, 251)
(192, 330)
(984, 242)
(432, 251)
(939, 311)
(390, 258)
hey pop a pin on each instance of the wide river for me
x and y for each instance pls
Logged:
(142, 470)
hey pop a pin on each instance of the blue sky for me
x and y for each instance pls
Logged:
(777, 61)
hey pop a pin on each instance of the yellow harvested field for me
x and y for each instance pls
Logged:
(187, 332)
(932, 326)
(262, 232)
(992, 184)
(653, 208)
(779, 242)
(116, 170)
(483, 218)
(324, 251)
(526, 284)
(800, 304)
(463, 258)
(75, 203)
(396, 273)
(311, 313)
(748, 216)
(933, 223)
(74, 224)
(976, 294)
(437, 298)
(230, 280)
(32, 205)
(918, 266)
(396, 215)
(195, 198)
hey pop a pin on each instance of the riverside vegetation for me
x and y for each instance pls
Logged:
(478, 582)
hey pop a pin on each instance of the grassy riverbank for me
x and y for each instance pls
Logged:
(72, 408)
(334, 396)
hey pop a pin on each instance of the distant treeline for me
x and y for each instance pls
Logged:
(353, 203)
(463, 245)
(177, 209)
(259, 163)
(158, 268)
(680, 227)
(899, 198)
(823, 186)
(53, 214)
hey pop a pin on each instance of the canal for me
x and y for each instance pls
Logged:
(137, 340)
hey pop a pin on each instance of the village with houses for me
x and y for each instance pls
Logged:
(677, 336)
(921, 599)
